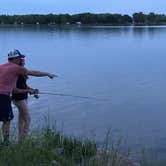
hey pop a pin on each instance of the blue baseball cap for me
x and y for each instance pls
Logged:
(15, 54)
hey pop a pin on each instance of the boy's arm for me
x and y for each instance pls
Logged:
(36, 91)
(20, 91)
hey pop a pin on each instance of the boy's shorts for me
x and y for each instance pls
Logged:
(6, 113)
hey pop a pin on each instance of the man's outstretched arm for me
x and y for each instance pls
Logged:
(40, 74)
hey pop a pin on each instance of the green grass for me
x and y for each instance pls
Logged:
(49, 147)
(46, 149)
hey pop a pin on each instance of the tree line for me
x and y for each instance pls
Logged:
(85, 18)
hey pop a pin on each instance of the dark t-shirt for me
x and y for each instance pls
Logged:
(21, 84)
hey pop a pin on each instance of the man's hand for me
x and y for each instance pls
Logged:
(36, 91)
(31, 91)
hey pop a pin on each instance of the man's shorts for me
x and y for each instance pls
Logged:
(6, 113)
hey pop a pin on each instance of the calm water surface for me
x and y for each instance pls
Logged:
(126, 65)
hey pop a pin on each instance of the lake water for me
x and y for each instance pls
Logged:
(125, 65)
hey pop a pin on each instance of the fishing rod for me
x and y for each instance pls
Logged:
(66, 95)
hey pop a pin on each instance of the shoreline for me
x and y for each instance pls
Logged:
(84, 25)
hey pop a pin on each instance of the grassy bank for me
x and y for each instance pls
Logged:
(51, 148)
(48, 148)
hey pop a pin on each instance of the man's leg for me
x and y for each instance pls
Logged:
(5, 131)
(20, 126)
(6, 115)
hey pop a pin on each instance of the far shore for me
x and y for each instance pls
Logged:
(107, 19)
(84, 25)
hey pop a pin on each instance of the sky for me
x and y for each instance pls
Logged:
(79, 6)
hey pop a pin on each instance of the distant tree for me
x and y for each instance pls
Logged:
(139, 18)
(74, 18)
(64, 18)
(109, 18)
(151, 18)
(102, 18)
(88, 18)
(160, 18)
(127, 19)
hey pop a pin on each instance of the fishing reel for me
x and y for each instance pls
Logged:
(36, 96)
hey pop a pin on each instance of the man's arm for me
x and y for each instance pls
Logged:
(40, 74)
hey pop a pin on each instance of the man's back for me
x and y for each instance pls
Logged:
(9, 73)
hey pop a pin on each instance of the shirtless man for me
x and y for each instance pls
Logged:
(9, 73)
